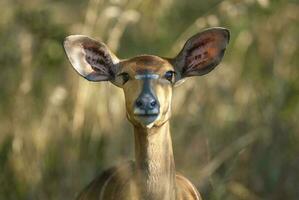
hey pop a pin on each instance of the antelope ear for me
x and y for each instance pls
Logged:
(91, 59)
(201, 53)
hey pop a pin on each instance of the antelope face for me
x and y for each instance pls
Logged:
(146, 80)
(147, 83)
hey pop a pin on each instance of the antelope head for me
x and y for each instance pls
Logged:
(147, 80)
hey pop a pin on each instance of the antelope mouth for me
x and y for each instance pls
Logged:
(146, 119)
(147, 115)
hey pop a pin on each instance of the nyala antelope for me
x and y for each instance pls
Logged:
(147, 82)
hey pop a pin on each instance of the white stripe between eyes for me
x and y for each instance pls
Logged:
(144, 76)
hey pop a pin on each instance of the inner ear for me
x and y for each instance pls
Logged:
(202, 52)
(99, 61)
(91, 59)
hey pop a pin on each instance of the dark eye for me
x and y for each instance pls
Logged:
(125, 77)
(169, 76)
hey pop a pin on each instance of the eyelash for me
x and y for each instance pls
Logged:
(169, 75)
(125, 77)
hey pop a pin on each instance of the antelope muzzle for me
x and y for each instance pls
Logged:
(147, 107)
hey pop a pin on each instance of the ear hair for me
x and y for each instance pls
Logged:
(201, 53)
(91, 59)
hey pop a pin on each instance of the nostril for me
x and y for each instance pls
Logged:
(153, 103)
(139, 103)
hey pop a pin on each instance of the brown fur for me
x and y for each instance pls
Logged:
(121, 186)
(152, 176)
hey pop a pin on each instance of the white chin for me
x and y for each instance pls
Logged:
(150, 125)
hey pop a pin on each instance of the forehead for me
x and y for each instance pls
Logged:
(146, 64)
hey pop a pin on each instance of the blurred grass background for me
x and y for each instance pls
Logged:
(235, 131)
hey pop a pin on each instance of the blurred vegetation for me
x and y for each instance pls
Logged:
(235, 131)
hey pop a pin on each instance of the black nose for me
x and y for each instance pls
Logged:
(147, 103)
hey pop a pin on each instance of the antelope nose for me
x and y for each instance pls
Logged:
(147, 104)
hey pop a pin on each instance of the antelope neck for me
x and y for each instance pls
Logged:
(155, 169)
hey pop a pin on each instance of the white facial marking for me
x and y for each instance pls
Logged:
(146, 76)
(138, 111)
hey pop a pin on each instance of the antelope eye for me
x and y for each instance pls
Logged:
(125, 77)
(169, 76)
